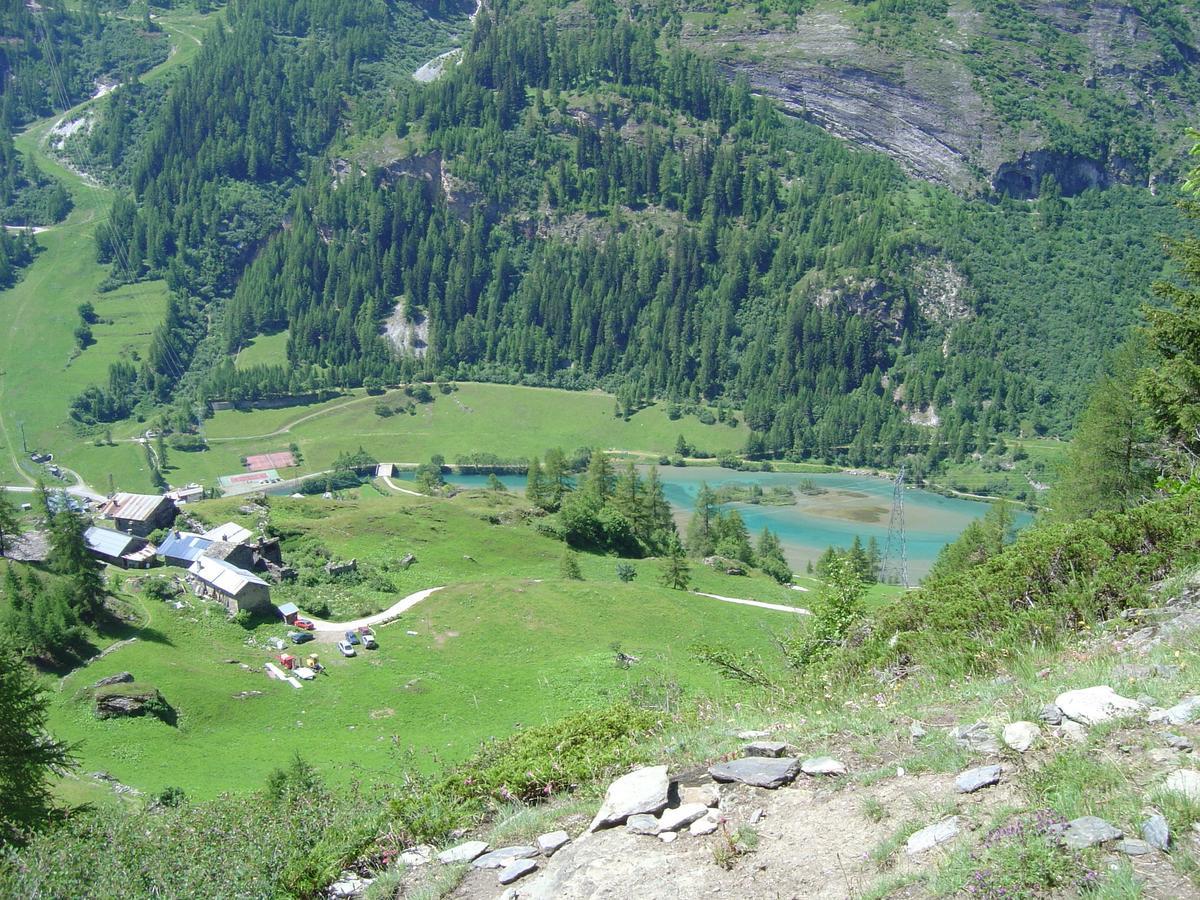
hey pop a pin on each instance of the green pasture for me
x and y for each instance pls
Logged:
(506, 420)
(40, 368)
(264, 350)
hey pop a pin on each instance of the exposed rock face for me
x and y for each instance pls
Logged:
(128, 699)
(1091, 706)
(924, 107)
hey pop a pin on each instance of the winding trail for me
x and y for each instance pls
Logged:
(779, 607)
(380, 618)
(334, 629)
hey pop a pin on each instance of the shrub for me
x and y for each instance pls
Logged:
(626, 572)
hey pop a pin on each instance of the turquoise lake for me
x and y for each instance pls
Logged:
(851, 505)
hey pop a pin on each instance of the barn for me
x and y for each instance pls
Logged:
(117, 549)
(236, 589)
(139, 514)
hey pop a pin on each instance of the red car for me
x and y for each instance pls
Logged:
(304, 623)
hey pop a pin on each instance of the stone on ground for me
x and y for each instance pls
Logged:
(1088, 831)
(641, 791)
(823, 765)
(708, 794)
(707, 825)
(642, 823)
(505, 856)
(976, 779)
(667, 837)
(417, 856)
(1134, 847)
(1020, 736)
(916, 730)
(516, 870)
(752, 735)
(976, 736)
(932, 835)
(674, 819)
(757, 771)
(766, 748)
(1179, 714)
(1073, 731)
(1091, 706)
(1050, 714)
(1185, 782)
(552, 842)
(463, 853)
(1156, 832)
(1177, 742)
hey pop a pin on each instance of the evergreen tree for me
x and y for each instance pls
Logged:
(70, 557)
(555, 477)
(569, 566)
(28, 756)
(535, 484)
(858, 559)
(10, 523)
(733, 539)
(701, 533)
(599, 480)
(676, 573)
(770, 557)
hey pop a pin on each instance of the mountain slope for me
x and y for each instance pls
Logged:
(978, 93)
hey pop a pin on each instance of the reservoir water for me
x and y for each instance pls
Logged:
(849, 505)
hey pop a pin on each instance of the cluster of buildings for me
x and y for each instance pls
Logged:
(225, 564)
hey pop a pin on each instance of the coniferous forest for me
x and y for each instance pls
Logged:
(583, 201)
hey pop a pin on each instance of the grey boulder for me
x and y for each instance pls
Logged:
(976, 779)
(823, 765)
(932, 835)
(757, 771)
(1185, 782)
(1094, 705)
(1156, 832)
(641, 791)
(516, 870)
(642, 823)
(463, 853)
(1134, 847)
(766, 748)
(552, 842)
(1020, 736)
(976, 736)
(1179, 714)
(1088, 831)
(505, 856)
(1051, 714)
(674, 819)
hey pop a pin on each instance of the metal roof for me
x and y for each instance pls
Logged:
(288, 609)
(135, 507)
(230, 532)
(109, 542)
(183, 545)
(226, 578)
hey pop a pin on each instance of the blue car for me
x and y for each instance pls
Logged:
(301, 637)
(352, 638)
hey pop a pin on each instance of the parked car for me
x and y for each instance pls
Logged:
(301, 637)
(368, 638)
(352, 638)
(304, 623)
(346, 648)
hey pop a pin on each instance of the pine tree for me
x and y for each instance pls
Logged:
(569, 566)
(599, 479)
(770, 557)
(10, 523)
(701, 534)
(69, 556)
(733, 539)
(28, 756)
(535, 485)
(676, 573)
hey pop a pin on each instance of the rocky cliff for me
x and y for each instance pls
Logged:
(980, 96)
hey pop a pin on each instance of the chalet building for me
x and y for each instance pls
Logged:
(229, 533)
(182, 548)
(139, 514)
(119, 549)
(235, 588)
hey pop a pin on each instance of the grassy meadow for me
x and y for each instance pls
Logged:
(40, 366)
(508, 644)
